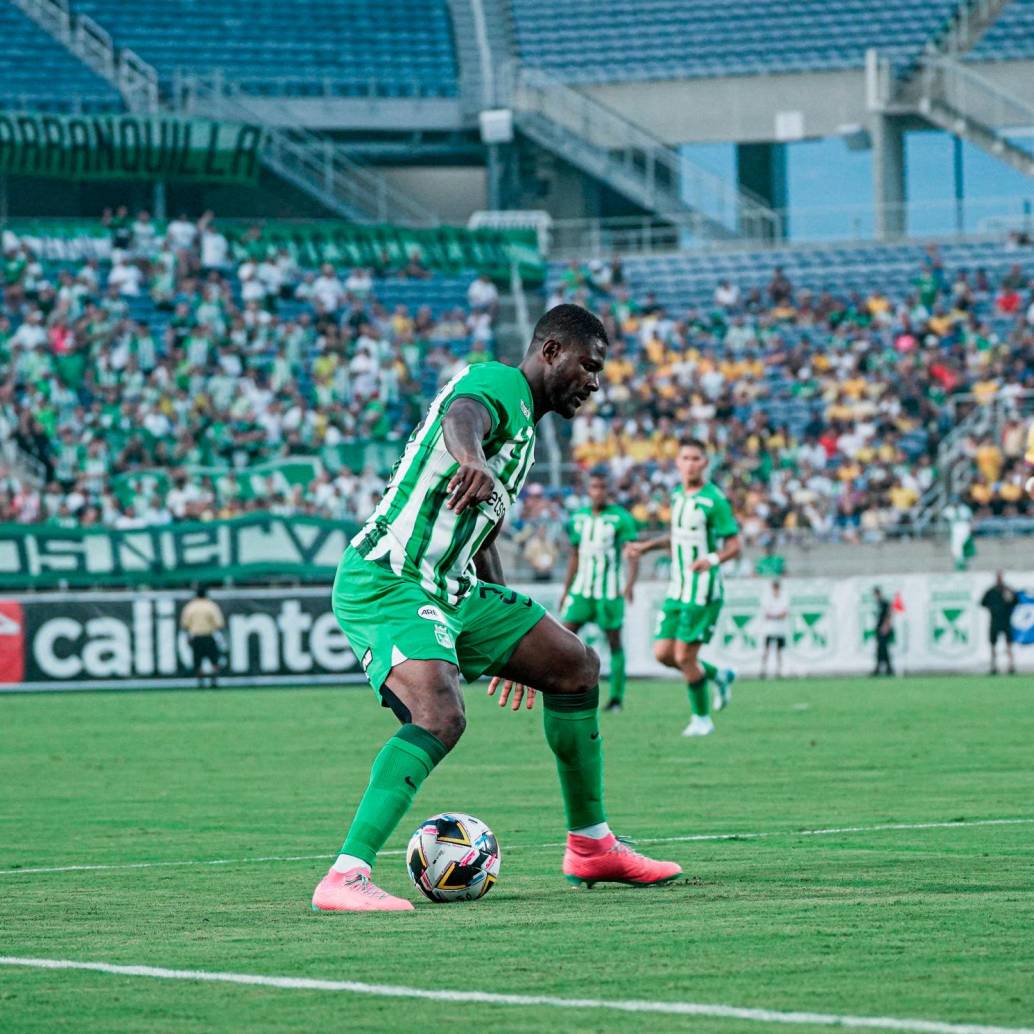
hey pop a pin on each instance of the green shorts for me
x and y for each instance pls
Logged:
(389, 619)
(604, 614)
(687, 622)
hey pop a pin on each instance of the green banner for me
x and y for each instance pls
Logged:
(445, 249)
(136, 147)
(247, 549)
(387, 249)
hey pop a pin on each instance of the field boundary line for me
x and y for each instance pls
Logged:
(690, 838)
(717, 1011)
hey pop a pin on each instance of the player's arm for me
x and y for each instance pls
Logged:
(631, 530)
(465, 427)
(487, 561)
(638, 549)
(731, 547)
(572, 570)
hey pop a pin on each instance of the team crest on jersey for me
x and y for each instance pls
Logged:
(431, 613)
(441, 633)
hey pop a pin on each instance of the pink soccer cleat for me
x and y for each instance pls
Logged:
(353, 891)
(608, 860)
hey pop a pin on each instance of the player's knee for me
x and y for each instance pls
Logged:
(664, 653)
(580, 673)
(447, 725)
(592, 668)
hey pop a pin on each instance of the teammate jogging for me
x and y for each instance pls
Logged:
(596, 584)
(419, 594)
(701, 518)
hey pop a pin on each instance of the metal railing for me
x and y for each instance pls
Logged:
(989, 218)
(954, 462)
(329, 87)
(125, 70)
(966, 25)
(313, 162)
(966, 91)
(635, 161)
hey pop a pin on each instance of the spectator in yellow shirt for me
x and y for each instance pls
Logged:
(989, 460)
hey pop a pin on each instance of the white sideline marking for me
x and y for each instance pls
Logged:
(889, 826)
(832, 831)
(725, 1012)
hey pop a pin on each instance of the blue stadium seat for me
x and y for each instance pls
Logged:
(38, 73)
(617, 40)
(1011, 37)
(394, 48)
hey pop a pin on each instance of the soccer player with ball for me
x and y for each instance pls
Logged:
(419, 594)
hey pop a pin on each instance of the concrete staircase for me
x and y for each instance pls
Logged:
(632, 162)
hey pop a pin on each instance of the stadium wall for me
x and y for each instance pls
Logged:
(289, 637)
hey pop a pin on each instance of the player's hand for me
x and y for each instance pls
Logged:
(470, 485)
(633, 550)
(703, 564)
(629, 595)
(519, 691)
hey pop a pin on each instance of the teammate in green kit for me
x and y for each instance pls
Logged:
(596, 584)
(701, 518)
(419, 594)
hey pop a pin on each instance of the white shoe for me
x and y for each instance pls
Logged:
(699, 726)
(723, 683)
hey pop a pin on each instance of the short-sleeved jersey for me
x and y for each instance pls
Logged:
(599, 538)
(411, 532)
(699, 521)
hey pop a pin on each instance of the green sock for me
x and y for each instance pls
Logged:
(617, 674)
(572, 727)
(404, 762)
(708, 668)
(699, 697)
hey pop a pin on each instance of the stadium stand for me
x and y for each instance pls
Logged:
(824, 404)
(586, 41)
(783, 360)
(1011, 37)
(143, 387)
(396, 48)
(39, 73)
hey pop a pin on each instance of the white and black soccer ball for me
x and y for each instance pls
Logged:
(453, 857)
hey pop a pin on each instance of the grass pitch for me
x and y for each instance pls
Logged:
(931, 924)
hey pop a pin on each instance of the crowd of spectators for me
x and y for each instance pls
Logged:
(193, 350)
(824, 411)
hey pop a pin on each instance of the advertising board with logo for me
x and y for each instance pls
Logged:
(290, 637)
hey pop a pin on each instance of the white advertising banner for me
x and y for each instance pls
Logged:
(939, 624)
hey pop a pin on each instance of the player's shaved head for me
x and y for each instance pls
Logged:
(568, 325)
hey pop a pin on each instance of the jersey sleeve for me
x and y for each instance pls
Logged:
(723, 520)
(489, 384)
(628, 530)
(574, 533)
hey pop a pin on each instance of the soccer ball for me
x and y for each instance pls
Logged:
(453, 857)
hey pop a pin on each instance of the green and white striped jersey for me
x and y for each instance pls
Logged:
(412, 532)
(598, 537)
(699, 520)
